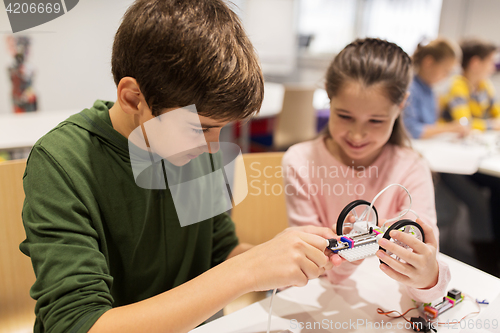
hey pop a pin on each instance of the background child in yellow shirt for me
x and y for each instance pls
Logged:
(471, 96)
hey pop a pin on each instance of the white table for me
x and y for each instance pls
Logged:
(271, 107)
(356, 300)
(22, 130)
(479, 152)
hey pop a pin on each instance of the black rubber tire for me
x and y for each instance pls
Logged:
(347, 209)
(400, 224)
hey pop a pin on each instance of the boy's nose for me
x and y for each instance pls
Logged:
(213, 141)
(213, 147)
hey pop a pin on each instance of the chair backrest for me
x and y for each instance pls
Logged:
(16, 271)
(262, 214)
(297, 120)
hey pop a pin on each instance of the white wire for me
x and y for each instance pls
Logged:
(270, 311)
(401, 214)
(414, 213)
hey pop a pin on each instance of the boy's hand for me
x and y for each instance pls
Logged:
(419, 268)
(496, 124)
(456, 127)
(293, 257)
(336, 259)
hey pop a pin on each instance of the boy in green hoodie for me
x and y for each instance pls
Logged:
(112, 256)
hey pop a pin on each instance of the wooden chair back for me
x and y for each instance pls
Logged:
(297, 120)
(262, 214)
(16, 271)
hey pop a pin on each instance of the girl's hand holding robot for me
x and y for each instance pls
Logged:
(418, 267)
(407, 249)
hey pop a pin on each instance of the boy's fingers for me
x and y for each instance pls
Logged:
(318, 231)
(316, 256)
(335, 259)
(311, 269)
(329, 265)
(318, 241)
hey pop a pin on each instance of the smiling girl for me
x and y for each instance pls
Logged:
(367, 84)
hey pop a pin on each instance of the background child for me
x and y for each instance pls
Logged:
(367, 84)
(433, 63)
(471, 97)
(471, 100)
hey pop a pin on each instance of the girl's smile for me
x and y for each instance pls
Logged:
(356, 146)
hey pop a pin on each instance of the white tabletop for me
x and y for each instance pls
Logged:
(273, 100)
(356, 300)
(449, 154)
(22, 130)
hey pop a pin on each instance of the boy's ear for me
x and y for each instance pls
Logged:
(473, 62)
(129, 96)
(427, 61)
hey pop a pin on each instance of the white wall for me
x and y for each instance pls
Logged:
(71, 56)
(470, 18)
(271, 26)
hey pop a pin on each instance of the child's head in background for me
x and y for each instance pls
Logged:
(434, 61)
(478, 59)
(367, 84)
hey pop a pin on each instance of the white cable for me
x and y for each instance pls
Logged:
(414, 213)
(401, 214)
(270, 311)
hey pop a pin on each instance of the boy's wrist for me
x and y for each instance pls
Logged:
(241, 274)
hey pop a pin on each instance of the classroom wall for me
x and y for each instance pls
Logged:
(271, 26)
(470, 18)
(71, 56)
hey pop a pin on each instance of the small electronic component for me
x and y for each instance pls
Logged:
(453, 297)
(358, 246)
(425, 323)
(419, 324)
(360, 232)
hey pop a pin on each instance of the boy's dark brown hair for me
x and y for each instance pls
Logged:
(189, 52)
(439, 49)
(475, 48)
(372, 61)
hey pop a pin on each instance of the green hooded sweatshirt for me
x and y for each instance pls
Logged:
(96, 239)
